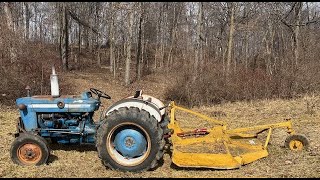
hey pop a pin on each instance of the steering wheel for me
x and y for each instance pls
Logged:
(99, 93)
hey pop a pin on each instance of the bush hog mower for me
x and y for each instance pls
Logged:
(221, 148)
(131, 133)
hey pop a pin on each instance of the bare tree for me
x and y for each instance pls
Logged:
(297, 13)
(27, 19)
(128, 47)
(174, 29)
(231, 7)
(138, 56)
(112, 38)
(198, 49)
(12, 48)
(64, 37)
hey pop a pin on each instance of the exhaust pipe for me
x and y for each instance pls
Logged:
(54, 83)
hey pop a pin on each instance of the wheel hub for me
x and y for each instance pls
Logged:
(296, 145)
(130, 143)
(29, 154)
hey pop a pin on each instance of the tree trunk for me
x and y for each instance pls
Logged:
(64, 38)
(56, 25)
(128, 48)
(246, 48)
(85, 39)
(230, 40)
(97, 36)
(98, 56)
(90, 34)
(116, 62)
(297, 10)
(158, 36)
(40, 29)
(79, 40)
(35, 29)
(296, 42)
(112, 56)
(12, 48)
(173, 36)
(27, 19)
(161, 44)
(143, 48)
(246, 41)
(269, 48)
(198, 42)
(138, 56)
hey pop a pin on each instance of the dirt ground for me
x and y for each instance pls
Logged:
(83, 161)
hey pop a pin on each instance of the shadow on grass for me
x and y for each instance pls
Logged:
(52, 158)
(73, 147)
(173, 166)
(88, 147)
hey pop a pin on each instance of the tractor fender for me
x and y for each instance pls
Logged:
(155, 101)
(146, 102)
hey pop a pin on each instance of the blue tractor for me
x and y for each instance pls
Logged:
(129, 135)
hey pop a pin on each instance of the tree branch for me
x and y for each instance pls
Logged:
(83, 23)
(292, 7)
(304, 24)
(285, 23)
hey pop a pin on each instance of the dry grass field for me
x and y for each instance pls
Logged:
(83, 161)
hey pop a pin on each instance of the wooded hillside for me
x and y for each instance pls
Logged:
(217, 51)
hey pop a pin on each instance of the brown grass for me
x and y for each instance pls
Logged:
(83, 161)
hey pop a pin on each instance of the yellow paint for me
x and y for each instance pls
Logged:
(237, 146)
(220, 161)
(296, 145)
(268, 138)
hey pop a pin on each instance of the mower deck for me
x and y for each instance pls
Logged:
(218, 147)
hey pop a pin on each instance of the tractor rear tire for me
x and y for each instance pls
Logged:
(28, 149)
(164, 124)
(129, 139)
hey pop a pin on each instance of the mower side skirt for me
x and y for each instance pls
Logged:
(252, 156)
(216, 161)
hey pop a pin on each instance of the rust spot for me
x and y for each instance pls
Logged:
(22, 106)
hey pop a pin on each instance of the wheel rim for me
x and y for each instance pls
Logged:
(29, 154)
(128, 144)
(296, 145)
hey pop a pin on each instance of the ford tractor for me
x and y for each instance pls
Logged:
(129, 135)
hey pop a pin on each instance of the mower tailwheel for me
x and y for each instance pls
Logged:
(28, 149)
(296, 142)
(130, 139)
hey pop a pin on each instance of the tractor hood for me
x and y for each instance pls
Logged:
(71, 103)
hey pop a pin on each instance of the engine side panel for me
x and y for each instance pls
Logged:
(36, 105)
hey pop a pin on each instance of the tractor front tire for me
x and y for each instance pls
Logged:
(28, 149)
(129, 139)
